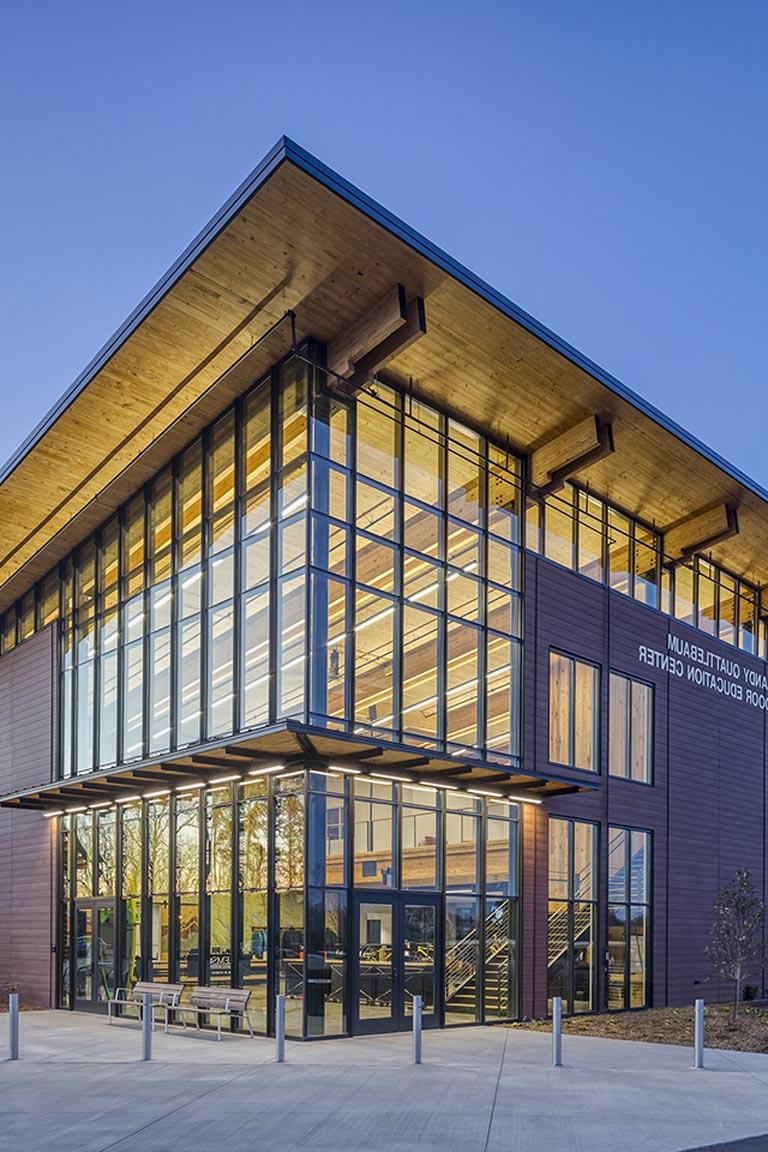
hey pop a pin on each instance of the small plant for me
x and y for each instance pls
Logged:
(750, 991)
(6, 989)
(737, 947)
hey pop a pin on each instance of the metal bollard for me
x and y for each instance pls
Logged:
(13, 1025)
(698, 1034)
(146, 1027)
(416, 1030)
(557, 1032)
(280, 1030)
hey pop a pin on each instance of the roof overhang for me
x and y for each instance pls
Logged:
(284, 746)
(296, 236)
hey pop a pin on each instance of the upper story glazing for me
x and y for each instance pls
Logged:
(352, 564)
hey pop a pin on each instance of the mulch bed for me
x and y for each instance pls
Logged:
(671, 1026)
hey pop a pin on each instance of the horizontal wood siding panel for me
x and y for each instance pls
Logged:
(28, 695)
(707, 806)
(27, 904)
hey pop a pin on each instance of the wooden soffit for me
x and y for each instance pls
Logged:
(296, 236)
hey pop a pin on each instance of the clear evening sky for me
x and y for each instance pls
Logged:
(603, 164)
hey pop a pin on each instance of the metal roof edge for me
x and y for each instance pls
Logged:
(287, 149)
(204, 237)
(442, 259)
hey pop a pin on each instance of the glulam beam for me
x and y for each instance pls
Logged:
(369, 344)
(584, 443)
(701, 530)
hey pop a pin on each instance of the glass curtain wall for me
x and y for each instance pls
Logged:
(387, 527)
(249, 883)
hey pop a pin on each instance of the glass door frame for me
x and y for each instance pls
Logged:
(398, 1020)
(93, 906)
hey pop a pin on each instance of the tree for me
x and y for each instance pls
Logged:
(737, 945)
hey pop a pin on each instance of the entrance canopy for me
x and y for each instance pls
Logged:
(282, 746)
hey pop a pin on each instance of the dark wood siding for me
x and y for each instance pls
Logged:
(706, 808)
(27, 751)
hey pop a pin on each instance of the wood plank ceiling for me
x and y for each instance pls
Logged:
(297, 245)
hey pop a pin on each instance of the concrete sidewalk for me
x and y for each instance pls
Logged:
(80, 1085)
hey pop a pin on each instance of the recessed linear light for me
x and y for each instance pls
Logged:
(521, 799)
(54, 812)
(190, 787)
(343, 769)
(266, 771)
(160, 792)
(81, 808)
(225, 779)
(126, 799)
(102, 804)
(389, 778)
(438, 784)
(482, 792)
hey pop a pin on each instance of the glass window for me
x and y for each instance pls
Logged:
(646, 566)
(420, 662)
(289, 839)
(590, 535)
(106, 822)
(423, 441)
(629, 917)
(630, 729)
(375, 436)
(326, 963)
(573, 712)
(462, 959)
(572, 914)
(465, 480)
(418, 865)
(373, 844)
(327, 839)
(503, 494)
(619, 552)
(501, 856)
(83, 830)
(558, 528)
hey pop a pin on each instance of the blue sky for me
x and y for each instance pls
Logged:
(605, 165)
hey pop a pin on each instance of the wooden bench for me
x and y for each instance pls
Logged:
(164, 996)
(215, 1002)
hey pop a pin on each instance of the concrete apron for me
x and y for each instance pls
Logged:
(81, 1084)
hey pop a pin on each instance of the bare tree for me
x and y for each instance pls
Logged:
(737, 946)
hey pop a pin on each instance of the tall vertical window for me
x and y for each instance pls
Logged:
(189, 597)
(572, 914)
(133, 629)
(629, 917)
(573, 712)
(220, 582)
(630, 738)
(160, 600)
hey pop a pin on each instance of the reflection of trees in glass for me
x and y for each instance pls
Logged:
(106, 858)
(158, 836)
(253, 844)
(131, 851)
(289, 841)
(187, 844)
(219, 841)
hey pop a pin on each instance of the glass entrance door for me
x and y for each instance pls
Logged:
(396, 950)
(94, 952)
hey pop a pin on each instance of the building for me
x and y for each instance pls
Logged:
(361, 638)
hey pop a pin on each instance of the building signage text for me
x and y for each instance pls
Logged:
(707, 669)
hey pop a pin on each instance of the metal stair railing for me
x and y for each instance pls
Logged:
(461, 960)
